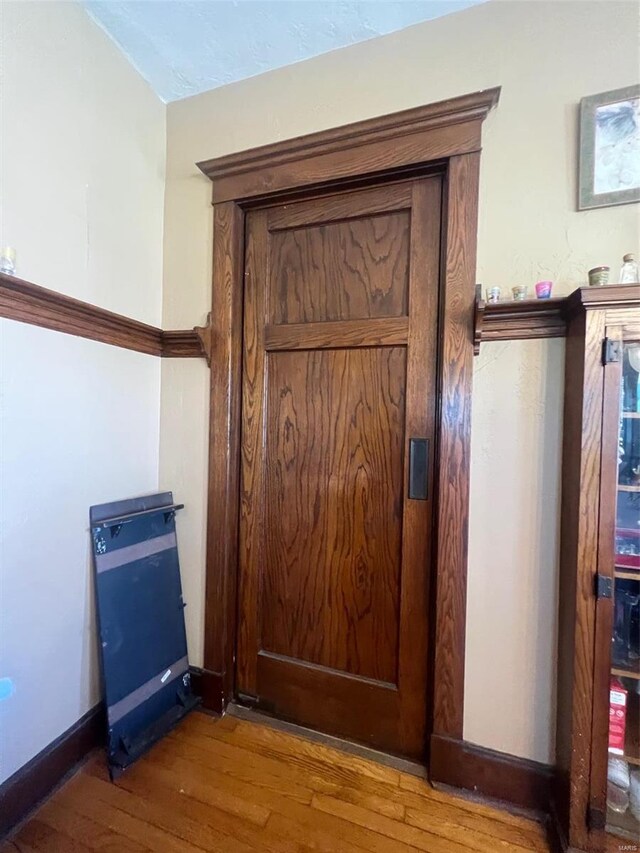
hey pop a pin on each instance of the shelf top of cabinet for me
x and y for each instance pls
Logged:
(608, 296)
(545, 318)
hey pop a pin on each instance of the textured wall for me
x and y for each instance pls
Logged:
(542, 53)
(189, 47)
(82, 173)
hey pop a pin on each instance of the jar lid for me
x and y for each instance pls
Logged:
(629, 257)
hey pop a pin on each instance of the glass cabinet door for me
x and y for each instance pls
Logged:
(623, 776)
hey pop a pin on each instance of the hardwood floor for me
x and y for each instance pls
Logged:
(235, 786)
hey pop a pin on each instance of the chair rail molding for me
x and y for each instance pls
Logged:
(29, 303)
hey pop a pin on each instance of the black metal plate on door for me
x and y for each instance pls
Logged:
(418, 469)
(142, 638)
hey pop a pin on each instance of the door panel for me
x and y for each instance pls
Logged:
(339, 360)
(333, 507)
(368, 257)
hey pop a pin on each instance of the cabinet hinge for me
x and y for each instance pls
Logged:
(611, 351)
(596, 818)
(604, 586)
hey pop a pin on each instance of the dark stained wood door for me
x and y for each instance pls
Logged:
(339, 367)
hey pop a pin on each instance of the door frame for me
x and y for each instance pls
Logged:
(445, 136)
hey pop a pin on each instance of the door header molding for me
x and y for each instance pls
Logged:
(412, 137)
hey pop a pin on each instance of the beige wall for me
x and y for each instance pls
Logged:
(513, 545)
(82, 155)
(546, 56)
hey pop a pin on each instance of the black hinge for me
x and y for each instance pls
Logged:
(596, 818)
(604, 586)
(611, 351)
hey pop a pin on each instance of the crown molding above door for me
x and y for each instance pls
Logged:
(400, 140)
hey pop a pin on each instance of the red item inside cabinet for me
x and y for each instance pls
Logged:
(617, 716)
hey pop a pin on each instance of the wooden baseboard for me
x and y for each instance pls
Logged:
(209, 686)
(29, 785)
(496, 775)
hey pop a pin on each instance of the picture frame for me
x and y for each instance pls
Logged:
(609, 155)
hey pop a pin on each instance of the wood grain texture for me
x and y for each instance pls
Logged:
(182, 344)
(411, 137)
(334, 561)
(381, 157)
(578, 566)
(345, 333)
(611, 378)
(415, 665)
(344, 206)
(252, 489)
(623, 298)
(22, 791)
(333, 497)
(571, 464)
(355, 157)
(224, 444)
(547, 318)
(365, 710)
(454, 441)
(369, 254)
(522, 783)
(29, 303)
(517, 321)
(589, 479)
(229, 785)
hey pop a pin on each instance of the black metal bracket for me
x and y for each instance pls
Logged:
(611, 351)
(118, 520)
(604, 586)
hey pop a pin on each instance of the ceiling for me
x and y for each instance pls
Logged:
(183, 47)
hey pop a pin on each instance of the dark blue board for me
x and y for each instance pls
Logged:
(143, 644)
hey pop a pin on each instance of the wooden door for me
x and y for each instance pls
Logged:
(339, 368)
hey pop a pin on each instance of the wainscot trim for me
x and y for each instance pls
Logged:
(495, 775)
(29, 785)
(29, 303)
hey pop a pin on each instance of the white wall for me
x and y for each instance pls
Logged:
(546, 55)
(82, 175)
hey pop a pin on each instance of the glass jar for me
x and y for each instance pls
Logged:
(629, 271)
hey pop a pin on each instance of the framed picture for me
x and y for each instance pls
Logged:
(610, 148)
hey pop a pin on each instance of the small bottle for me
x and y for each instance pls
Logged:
(629, 271)
(8, 261)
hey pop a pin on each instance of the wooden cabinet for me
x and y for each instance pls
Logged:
(600, 575)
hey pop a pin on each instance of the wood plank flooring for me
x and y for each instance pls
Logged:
(234, 786)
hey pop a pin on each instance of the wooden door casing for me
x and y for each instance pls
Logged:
(445, 136)
(339, 369)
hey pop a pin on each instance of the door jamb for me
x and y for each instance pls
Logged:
(448, 132)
